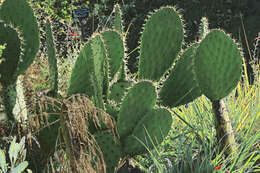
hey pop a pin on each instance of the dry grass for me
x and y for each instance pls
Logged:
(75, 113)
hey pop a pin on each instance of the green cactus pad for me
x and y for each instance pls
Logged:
(115, 50)
(80, 80)
(161, 42)
(117, 25)
(156, 124)
(118, 90)
(20, 15)
(99, 57)
(51, 59)
(88, 73)
(11, 55)
(111, 149)
(139, 99)
(180, 87)
(218, 65)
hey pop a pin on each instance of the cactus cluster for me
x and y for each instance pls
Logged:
(167, 77)
(20, 34)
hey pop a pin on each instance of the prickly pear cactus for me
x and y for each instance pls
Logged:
(20, 15)
(218, 65)
(118, 21)
(149, 131)
(161, 42)
(51, 60)
(142, 98)
(88, 74)
(211, 66)
(115, 51)
(119, 90)
(19, 31)
(181, 86)
(111, 149)
(13, 41)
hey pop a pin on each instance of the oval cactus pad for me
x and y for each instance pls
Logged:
(181, 87)
(20, 14)
(218, 65)
(161, 42)
(139, 99)
(150, 131)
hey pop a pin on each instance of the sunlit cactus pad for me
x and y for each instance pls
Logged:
(181, 86)
(161, 42)
(218, 65)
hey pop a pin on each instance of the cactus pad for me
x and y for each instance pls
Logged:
(118, 90)
(180, 86)
(11, 55)
(218, 65)
(111, 149)
(118, 19)
(139, 99)
(161, 42)
(115, 50)
(51, 59)
(88, 73)
(150, 131)
(20, 15)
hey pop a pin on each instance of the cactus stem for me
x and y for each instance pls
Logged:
(224, 132)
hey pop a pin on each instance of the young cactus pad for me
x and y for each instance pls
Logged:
(161, 42)
(139, 99)
(181, 87)
(218, 65)
(88, 73)
(53, 69)
(20, 15)
(118, 19)
(118, 90)
(115, 51)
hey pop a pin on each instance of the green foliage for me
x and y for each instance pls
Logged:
(2, 47)
(17, 155)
